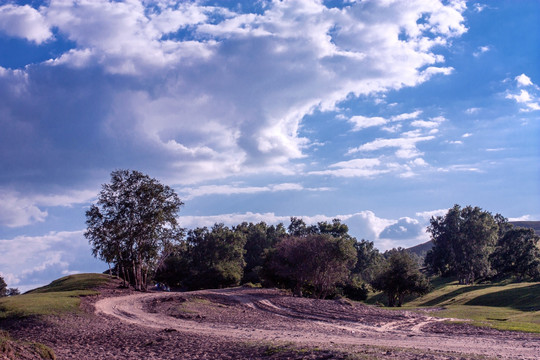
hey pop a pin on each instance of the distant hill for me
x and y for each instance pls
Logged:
(535, 225)
(422, 249)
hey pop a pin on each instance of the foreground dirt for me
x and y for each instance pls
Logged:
(246, 323)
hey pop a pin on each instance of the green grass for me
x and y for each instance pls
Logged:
(59, 297)
(503, 306)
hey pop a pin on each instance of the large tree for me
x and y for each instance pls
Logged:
(215, 257)
(400, 277)
(315, 261)
(132, 223)
(463, 241)
(259, 238)
(517, 254)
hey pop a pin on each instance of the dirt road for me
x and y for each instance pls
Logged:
(269, 315)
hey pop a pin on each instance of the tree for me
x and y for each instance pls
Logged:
(369, 260)
(315, 261)
(3, 287)
(133, 220)
(463, 240)
(13, 292)
(517, 254)
(259, 238)
(400, 277)
(216, 257)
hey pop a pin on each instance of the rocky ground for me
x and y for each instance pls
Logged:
(245, 323)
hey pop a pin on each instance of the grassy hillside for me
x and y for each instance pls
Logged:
(60, 296)
(505, 306)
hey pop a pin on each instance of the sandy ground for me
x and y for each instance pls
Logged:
(269, 315)
(244, 323)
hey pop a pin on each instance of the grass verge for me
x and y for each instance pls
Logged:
(504, 305)
(61, 296)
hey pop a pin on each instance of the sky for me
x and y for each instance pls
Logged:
(382, 113)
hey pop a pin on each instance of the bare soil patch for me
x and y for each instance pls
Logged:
(244, 323)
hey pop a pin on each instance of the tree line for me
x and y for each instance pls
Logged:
(472, 244)
(133, 227)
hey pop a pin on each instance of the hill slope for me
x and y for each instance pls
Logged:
(505, 306)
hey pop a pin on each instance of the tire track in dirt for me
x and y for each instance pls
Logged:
(295, 323)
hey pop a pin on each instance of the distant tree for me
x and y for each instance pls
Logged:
(13, 292)
(298, 227)
(463, 240)
(369, 260)
(216, 257)
(400, 277)
(259, 238)
(316, 261)
(133, 221)
(3, 287)
(517, 254)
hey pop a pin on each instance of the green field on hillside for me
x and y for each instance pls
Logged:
(60, 296)
(504, 306)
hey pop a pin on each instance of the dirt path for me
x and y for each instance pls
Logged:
(268, 315)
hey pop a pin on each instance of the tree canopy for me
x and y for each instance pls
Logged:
(517, 253)
(463, 240)
(133, 220)
(317, 262)
(399, 277)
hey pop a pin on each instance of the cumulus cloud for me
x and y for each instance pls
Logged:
(24, 22)
(404, 228)
(217, 91)
(20, 210)
(31, 261)
(523, 80)
(529, 99)
(362, 225)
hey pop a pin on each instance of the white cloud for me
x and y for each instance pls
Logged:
(523, 80)
(20, 210)
(31, 261)
(219, 93)
(362, 225)
(364, 168)
(361, 122)
(481, 50)
(473, 110)
(528, 99)
(466, 135)
(404, 228)
(406, 145)
(24, 22)
(235, 190)
(521, 218)
(426, 215)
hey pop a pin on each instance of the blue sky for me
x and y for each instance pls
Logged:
(380, 112)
